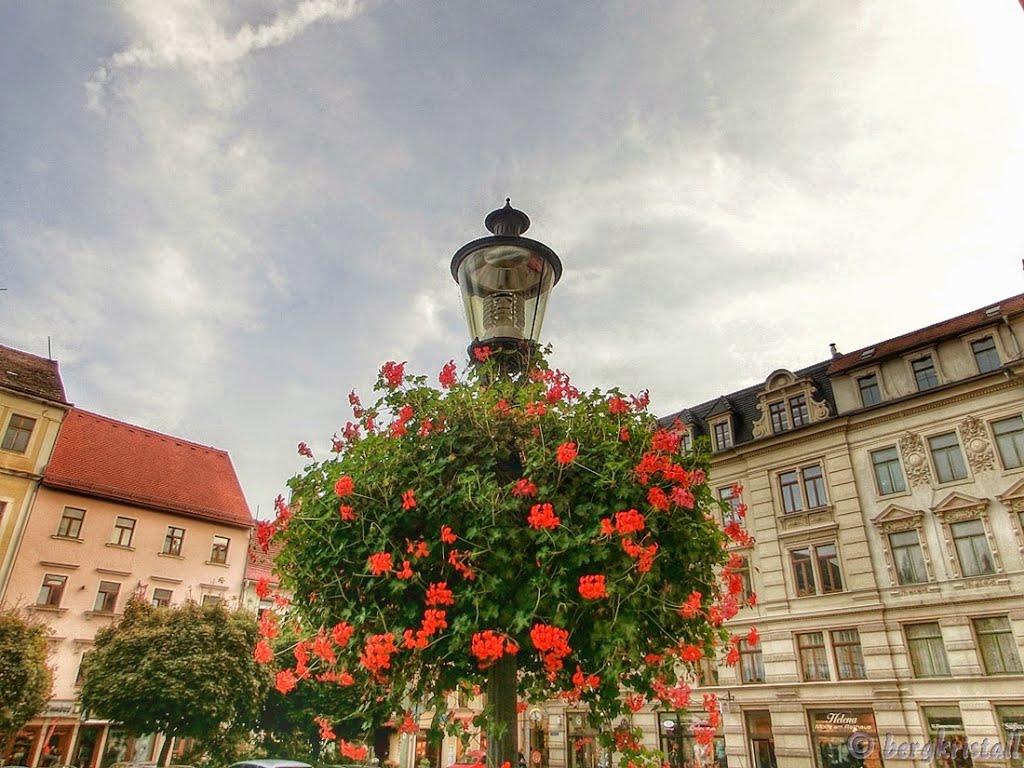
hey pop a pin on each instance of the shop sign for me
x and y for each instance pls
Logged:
(61, 708)
(843, 722)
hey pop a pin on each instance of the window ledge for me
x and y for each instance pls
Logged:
(102, 614)
(47, 608)
(807, 517)
(217, 563)
(988, 580)
(125, 547)
(914, 589)
(894, 495)
(168, 554)
(58, 537)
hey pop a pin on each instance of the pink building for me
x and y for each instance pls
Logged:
(121, 511)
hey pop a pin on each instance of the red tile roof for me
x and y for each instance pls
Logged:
(30, 375)
(260, 564)
(933, 333)
(98, 456)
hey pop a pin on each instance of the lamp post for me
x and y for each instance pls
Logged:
(505, 281)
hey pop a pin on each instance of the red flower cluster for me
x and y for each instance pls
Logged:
(380, 562)
(377, 653)
(393, 373)
(446, 535)
(345, 486)
(408, 499)
(592, 587)
(268, 625)
(644, 556)
(629, 522)
(585, 681)
(566, 453)
(676, 697)
(433, 621)
(665, 440)
(523, 488)
(263, 588)
(417, 548)
(457, 560)
(405, 572)
(342, 633)
(322, 647)
(635, 703)
(488, 646)
(439, 594)
(285, 681)
(543, 516)
(263, 653)
(691, 607)
(347, 513)
(304, 450)
(447, 376)
(658, 499)
(617, 405)
(482, 354)
(352, 751)
(408, 725)
(690, 653)
(553, 645)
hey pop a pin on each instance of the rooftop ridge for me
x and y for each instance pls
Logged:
(147, 431)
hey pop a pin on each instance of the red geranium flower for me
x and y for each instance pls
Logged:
(543, 516)
(408, 499)
(393, 373)
(482, 353)
(304, 450)
(592, 587)
(566, 453)
(380, 562)
(345, 486)
(447, 375)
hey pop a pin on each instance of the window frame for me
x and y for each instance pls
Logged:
(219, 552)
(51, 590)
(921, 561)
(14, 432)
(721, 433)
(117, 535)
(798, 489)
(169, 547)
(817, 662)
(1018, 445)
(751, 661)
(993, 348)
(106, 598)
(921, 375)
(814, 566)
(734, 501)
(927, 641)
(778, 415)
(875, 384)
(982, 535)
(797, 405)
(888, 465)
(162, 600)
(65, 531)
(946, 451)
(856, 657)
(1009, 656)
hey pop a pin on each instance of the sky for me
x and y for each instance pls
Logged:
(222, 216)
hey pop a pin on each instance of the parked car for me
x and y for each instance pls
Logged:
(270, 762)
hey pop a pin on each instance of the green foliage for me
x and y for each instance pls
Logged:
(25, 677)
(184, 671)
(462, 452)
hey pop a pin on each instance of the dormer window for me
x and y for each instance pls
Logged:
(780, 421)
(786, 403)
(685, 441)
(723, 436)
(924, 373)
(870, 394)
(798, 410)
(985, 354)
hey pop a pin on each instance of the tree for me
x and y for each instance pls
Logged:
(26, 679)
(185, 671)
(506, 530)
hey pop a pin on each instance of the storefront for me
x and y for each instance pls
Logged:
(584, 745)
(945, 727)
(682, 750)
(1011, 722)
(761, 738)
(831, 731)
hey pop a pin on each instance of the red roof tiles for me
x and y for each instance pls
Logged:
(99, 456)
(933, 333)
(30, 375)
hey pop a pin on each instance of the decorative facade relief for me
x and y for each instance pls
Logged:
(914, 459)
(976, 444)
(780, 387)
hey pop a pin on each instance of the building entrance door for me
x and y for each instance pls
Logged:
(762, 741)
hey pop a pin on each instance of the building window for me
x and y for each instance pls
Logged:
(751, 662)
(723, 436)
(985, 354)
(686, 441)
(52, 590)
(19, 430)
(813, 658)
(888, 474)
(124, 530)
(907, 557)
(1010, 441)
(1011, 718)
(707, 672)
(816, 570)
(173, 540)
(803, 489)
(947, 457)
(741, 573)
(798, 410)
(972, 552)
(997, 646)
(780, 420)
(211, 599)
(70, 525)
(264, 606)
(219, 553)
(848, 655)
(927, 653)
(870, 393)
(732, 514)
(924, 373)
(106, 597)
(162, 598)
(80, 674)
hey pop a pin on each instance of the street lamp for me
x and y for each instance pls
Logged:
(505, 281)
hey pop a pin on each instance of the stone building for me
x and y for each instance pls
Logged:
(885, 492)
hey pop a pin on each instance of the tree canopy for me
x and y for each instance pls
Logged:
(504, 516)
(183, 671)
(26, 678)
